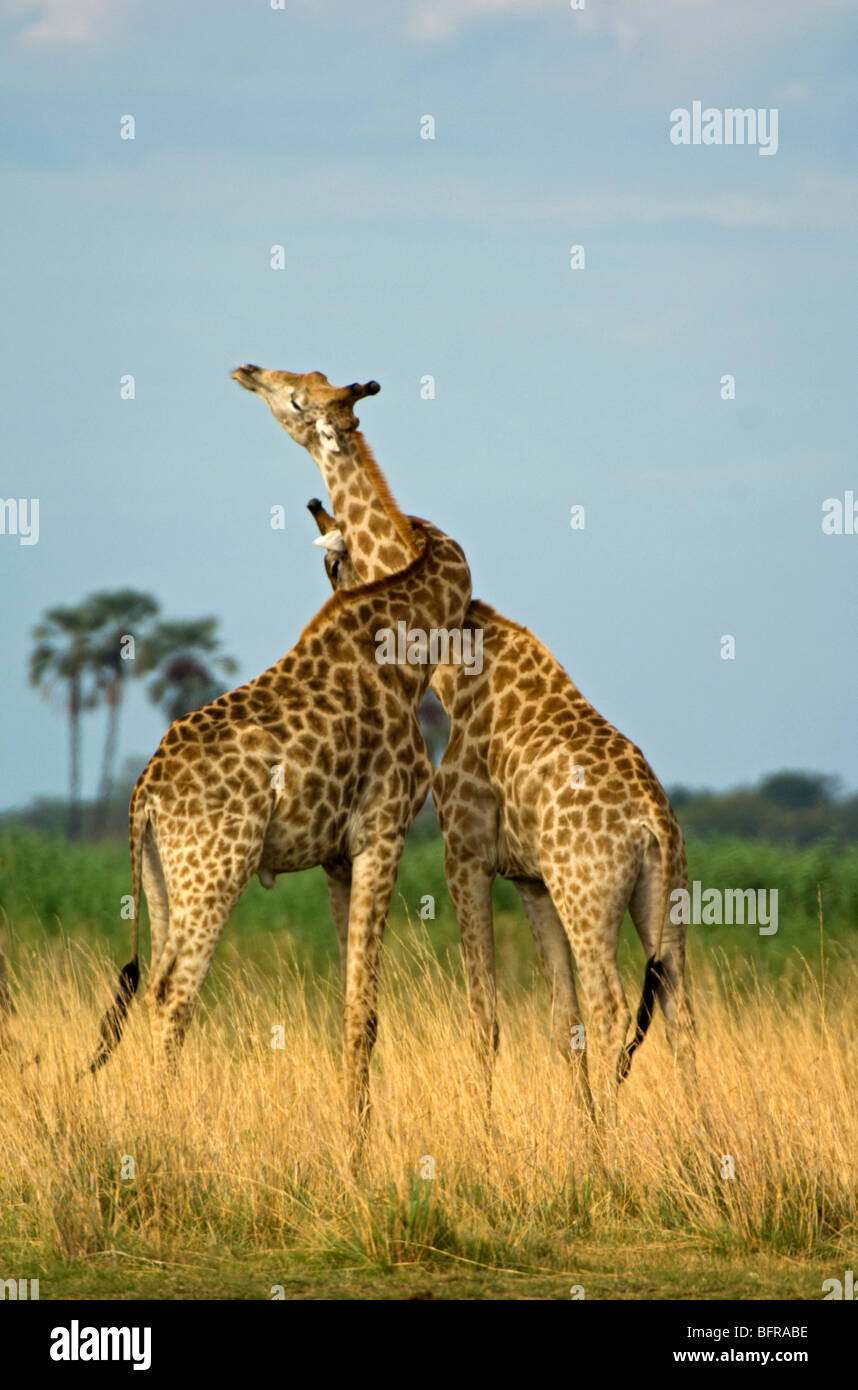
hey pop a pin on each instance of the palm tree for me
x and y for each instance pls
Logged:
(63, 652)
(119, 614)
(182, 655)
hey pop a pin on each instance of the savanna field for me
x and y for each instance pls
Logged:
(238, 1179)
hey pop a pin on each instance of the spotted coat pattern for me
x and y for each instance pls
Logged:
(535, 785)
(319, 760)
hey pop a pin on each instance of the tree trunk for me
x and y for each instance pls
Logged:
(73, 830)
(105, 786)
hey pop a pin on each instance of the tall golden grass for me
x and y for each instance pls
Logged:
(247, 1147)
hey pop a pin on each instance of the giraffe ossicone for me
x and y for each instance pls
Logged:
(321, 418)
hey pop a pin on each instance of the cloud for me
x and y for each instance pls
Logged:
(443, 18)
(815, 202)
(812, 202)
(372, 189)
(421, 19)
(643, 33)
(635, 26)
(56, 23)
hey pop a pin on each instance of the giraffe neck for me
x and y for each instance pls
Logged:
(378, 536)
(451, 683)
(456, 688)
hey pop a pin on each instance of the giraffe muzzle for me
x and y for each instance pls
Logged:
(245, 376)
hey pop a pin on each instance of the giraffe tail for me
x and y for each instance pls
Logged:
(113, 1022)
(652, 980)
(653, 977)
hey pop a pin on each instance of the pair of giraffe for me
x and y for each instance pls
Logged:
(320, 760)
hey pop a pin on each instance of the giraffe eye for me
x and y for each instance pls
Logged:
(295, 406)
(335, 568)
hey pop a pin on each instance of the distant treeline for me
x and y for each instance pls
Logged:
(97, 819)
(786, 808)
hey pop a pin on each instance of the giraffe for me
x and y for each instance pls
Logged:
(319, 760)
(321, 419)
(538, 787)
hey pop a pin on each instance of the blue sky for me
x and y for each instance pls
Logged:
(449, 257)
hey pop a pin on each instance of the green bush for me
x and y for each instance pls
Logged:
(50, 889)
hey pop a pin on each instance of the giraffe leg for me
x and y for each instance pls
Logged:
(679, 1020)
(339, 877)
(157, 900)
(557, 967)
(373, 880)
(609, 1020)
(666, 940)
(470, 888)
(592, 921)
(175, 988)
(198, 917)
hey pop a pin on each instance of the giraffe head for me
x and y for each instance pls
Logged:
(338, 563)
(308, 408)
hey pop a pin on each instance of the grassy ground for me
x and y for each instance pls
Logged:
(240, 1184)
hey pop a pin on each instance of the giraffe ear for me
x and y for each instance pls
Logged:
(327, 436)
(332, 540)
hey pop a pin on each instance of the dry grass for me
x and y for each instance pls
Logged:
(246, 1152)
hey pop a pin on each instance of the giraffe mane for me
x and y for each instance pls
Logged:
(344, 598)
(485, 610)
(399, 519)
